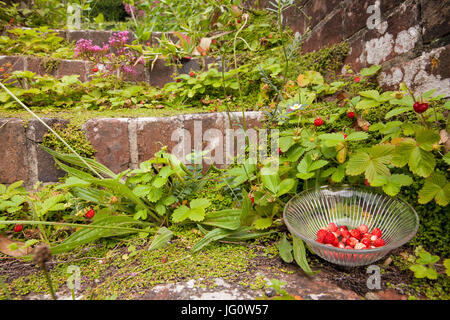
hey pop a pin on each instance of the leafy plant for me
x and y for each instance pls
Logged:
(424, 265)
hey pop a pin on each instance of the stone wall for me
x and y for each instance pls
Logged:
(410, 39)
(121, 143)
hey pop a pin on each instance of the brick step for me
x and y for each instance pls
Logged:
(121, 143)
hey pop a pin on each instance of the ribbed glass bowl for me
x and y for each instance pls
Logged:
(311, 210)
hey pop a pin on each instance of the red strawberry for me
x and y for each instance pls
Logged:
(318, 122)
(178, 80)
(355, 233)
(344, 240)
(366, 242)
(336, 242)
(348, 247)
(90, 214)
(345, 136)
(95, 69)
(357, 79)
(376, 232)
(252, 197)
(341, 245)
(420, 107)
(279, 151)
(367, 236)
(321, 235)
(360, 246)
(366, 182)
(351, 114)
(18, 228)
(332, 227)
(363, 228)
(329, 238)
(346, 234)
(343, 227)
(192, 73)
(373, 238)
(352, 242)
(379, 243)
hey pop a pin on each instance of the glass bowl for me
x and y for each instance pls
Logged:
(311, 210)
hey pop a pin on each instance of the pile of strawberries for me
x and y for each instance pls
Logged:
(359, 238)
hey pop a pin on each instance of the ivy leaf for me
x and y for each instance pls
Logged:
(436, 187)
(372, 163)
(285, 250)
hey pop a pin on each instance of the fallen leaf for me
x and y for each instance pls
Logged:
(4, 247)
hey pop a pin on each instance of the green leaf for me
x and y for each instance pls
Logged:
(367, 104)
(372, 163)
(229, 219)
(427, 138)
(357, 136)
(286, 143)
(367, 72)
(420, 162)
(200, 203)
(271, 182)
(262, 223)
(392, 185)
(397, 111)
(285, 186)
(180, 214)
(446, 158)
(436, 187)
(300, 256)
(339, 174)
(213, 235)
(285, 249)
(73, 182)
(420, 271)
(371, 94)
(162, 237)
(332, 139)
(427, 258)
(447, 266)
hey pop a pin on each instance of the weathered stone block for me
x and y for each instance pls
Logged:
(13, 151)
(109, 137)
(154, 133)
(70, 67)
(331, 32)
(160, 74)
(435, 19)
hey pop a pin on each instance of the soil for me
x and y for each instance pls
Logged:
(332, 282)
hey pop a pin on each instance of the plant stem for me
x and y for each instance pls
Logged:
(49, 280)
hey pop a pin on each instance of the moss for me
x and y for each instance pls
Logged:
(74, 136)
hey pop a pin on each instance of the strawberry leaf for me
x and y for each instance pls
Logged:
(436, 187)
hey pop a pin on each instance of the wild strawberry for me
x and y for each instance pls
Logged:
(148, 44)
(192, 73)
(318, 122)
(420, 107)
(343, 227)
(336, 242)
(18, 228)
(2, 69)
(357, 79)
(269, 36)
(352, 242)
(279, 151)
(366, 182)
(188, 57)
(373, 238)
(379, 243)
(348, 247)
(344, 240)
(345, 234)
(376, 232)
(367, 236)
(355, 233)
(337, 233)
(178, 80)
(95, 69)
(252, 197)
(345, 136)
(360, 246)
(90, 214)
(321, 235)
(363, 228)
(341, 245)
(366, 242)
(329, 238)
(332, 227)
(239, 21)
(214, 41)
(351, 114)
